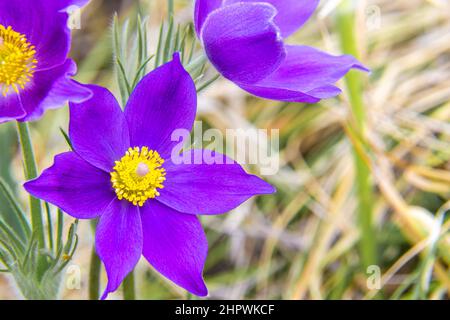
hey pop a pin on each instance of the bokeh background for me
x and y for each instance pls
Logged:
(310, 240)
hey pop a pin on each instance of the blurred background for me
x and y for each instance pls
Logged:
(360, 211)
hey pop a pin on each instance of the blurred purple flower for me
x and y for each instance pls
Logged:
(244, 40)
(121, 171)
(35, 74)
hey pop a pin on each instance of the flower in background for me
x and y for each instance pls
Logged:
(34, 70)
(244, 40)
(121, 172)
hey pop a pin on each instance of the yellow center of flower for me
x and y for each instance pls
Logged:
(138, 175)
(17, 60)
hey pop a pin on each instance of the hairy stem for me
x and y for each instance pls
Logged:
(30, 170)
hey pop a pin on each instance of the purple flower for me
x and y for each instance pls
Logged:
(34, 70)
(121, 172)
(243, 39)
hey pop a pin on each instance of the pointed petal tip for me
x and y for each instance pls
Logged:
(176, 61)
(363, 68)
(359, 65)
(176, 57)
(273, 190)
(28, 186)
(104, 295)
(261, 186)
(201, 291)
(267, 188)
(197, 286)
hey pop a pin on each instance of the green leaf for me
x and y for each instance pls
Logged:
(49, 225)
(66, 138)
(123, 76)
(59, 230)
(206, 84)
(140, 70)
(159, 47)
(19, 214)
(169, 41)
(117, 53)
(8, 234)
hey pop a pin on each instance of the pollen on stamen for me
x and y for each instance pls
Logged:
(17, 60)
(138, 175)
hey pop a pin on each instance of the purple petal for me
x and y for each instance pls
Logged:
(165, 100)
(202, 9)
(51, 89)
(10, 107)
(175, 245)
(278, 93)
(242, 41)
(307, 75)
(212, 188)
(292, 14)
(73, 185)
(98, 129)
(118, 241)
(44, 27)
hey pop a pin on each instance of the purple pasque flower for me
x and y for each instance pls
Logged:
(35, 74)
(122, 173)
(244, 40)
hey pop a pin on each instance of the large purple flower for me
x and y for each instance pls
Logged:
(122, 171)
(34, 70)
(243, 39)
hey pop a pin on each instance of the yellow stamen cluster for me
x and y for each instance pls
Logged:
(138, 175)
(17, 60)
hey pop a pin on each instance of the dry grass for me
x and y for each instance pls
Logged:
(302, 242)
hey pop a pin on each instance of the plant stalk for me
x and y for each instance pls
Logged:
(94, 276)
(368, 246)
(129, 290)
(170, 6)
(30, 170)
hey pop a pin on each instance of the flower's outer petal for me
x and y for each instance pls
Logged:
(242, 41)
(52, 89)
(10, 107)
(202, 9)
(307, 75)
(216, 185)
(175, 245)
(73, 185)
(98, 129)
(292, 14)
(277, 92)
(118, 241)
(44, 26)
(165, 100)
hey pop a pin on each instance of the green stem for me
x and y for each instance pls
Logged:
(94, 276)
(94, 270)
(368, 246)
(170, 7)
(30, 170)
(129, 291)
